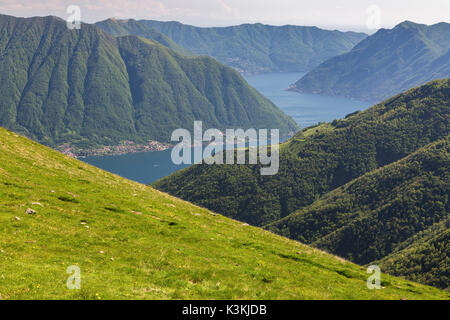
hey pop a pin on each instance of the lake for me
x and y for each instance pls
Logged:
(306, 109)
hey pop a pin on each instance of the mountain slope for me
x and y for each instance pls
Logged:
(384, 64)
(319, 159)
(253, 48)
(425, 258)
(131, 241)
(119, 28)
(88, 88)
(382, 213)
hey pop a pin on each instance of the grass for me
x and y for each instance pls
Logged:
(133, 242)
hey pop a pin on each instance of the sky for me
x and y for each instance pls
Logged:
(358, 15)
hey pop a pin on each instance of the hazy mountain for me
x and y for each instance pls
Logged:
(251, 48)
(384, 64)
(128, 27)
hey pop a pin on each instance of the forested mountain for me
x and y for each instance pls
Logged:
(384, 64)
(319, 159)
(119, 28)
(401, 209)
(424, 258)
(88, 88)
(148, 245)
(385, 205)
(251, 48)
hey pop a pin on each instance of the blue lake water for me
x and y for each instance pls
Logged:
(306, 109)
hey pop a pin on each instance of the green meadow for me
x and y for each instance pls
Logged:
(133, 242)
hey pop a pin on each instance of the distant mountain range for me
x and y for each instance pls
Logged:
(120, 28)
(88, 88)
(249, 48)
(384, 64)
(340, 187)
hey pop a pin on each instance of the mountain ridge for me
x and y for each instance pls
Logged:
(245, 47)
(320, 162)
(384, 64)
(88, 88)
(376, 216)
(319, 159)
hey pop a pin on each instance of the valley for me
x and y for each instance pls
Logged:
(319, 160)
(306, 109)
(335, 180)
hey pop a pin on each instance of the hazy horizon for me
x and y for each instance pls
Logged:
(355, 15)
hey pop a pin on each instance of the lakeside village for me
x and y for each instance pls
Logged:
(123, 148)
(127, 147)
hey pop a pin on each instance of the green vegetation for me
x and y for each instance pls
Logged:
(405, 198)
(425, 257)
(120, 28)
(87, 88)
(319, 159)
(131, 241)
(249, 48)
(383, 212)
(384, 64)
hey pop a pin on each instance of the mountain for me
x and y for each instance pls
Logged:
(424, 258)
(88, 88)
(361, 187)
(133, 242)
(120, 28)
(384, 64)
(380, 214)
(319, 159)
(251, 48)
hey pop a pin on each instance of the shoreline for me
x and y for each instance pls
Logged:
(127, 147)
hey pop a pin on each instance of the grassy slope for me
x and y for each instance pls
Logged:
(154, 246)
(385, 63)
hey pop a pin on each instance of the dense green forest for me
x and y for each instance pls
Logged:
(384, 64)
(404, 198)
(424, 257)
(88, 88)
(319, 159)
(372, 217)
(249, 48)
